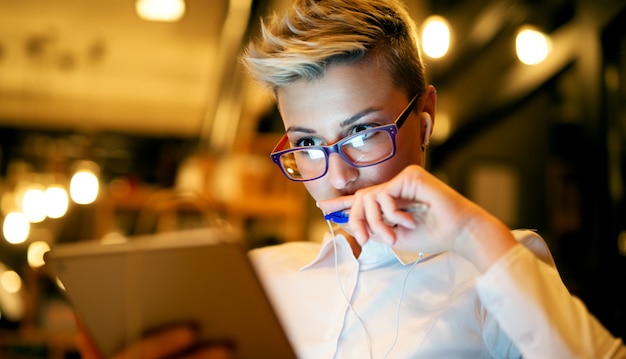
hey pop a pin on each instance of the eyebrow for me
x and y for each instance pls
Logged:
(344, 123)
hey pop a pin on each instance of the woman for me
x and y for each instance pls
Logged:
(418, 271)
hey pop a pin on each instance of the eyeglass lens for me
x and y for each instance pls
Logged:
(360, 150)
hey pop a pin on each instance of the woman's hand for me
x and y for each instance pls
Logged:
(450, 223)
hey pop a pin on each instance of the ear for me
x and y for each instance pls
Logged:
(427, 114)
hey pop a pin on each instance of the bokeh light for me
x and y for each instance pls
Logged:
(33, 203)
(532, 46)
(56, 201)
(436, 37)
(84, 187)
(16, 227)
(36, 251)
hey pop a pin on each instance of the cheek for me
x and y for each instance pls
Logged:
(409, 149)
(384, 171)
(316, 189)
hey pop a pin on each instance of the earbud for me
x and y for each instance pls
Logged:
(428, 122)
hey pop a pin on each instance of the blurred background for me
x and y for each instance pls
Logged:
(115, 121)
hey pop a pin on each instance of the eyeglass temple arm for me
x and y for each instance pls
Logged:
(403, 116)
(281, 144)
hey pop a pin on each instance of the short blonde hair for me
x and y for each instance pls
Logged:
(314, 34)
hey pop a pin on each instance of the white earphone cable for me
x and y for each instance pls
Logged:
(343, 292)
(406, 278)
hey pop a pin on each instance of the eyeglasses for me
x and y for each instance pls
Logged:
(363, 149)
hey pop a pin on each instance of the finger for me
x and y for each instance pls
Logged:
(160, 344)
(357, 223)
(394, 213)
(335, 204)
(376, 221)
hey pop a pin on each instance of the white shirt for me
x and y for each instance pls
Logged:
(440, 307)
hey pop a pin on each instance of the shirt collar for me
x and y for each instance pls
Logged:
(372, 250)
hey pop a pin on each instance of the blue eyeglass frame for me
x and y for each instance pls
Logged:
(392, 129)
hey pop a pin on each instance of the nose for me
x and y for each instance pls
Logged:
(340, 173)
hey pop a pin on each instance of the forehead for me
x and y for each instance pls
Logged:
(345, 89)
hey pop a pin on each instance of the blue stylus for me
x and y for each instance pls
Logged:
(340, 217)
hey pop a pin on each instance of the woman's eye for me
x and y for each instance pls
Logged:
(307, 141)
(359, 128)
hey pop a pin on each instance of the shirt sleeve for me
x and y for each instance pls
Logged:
(528, 299)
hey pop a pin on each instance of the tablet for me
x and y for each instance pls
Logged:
(123, 289)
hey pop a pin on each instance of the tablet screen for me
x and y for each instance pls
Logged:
(122, 290)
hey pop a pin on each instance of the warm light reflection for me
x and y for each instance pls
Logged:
(10, 281)
(36, 251)
(436, 37)
(84, 187)
(55, 201)
(113, 238)
(532, 46)
(11, 300)
(33, 204)
(59, 283)
(15, 227)
(160, 10)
